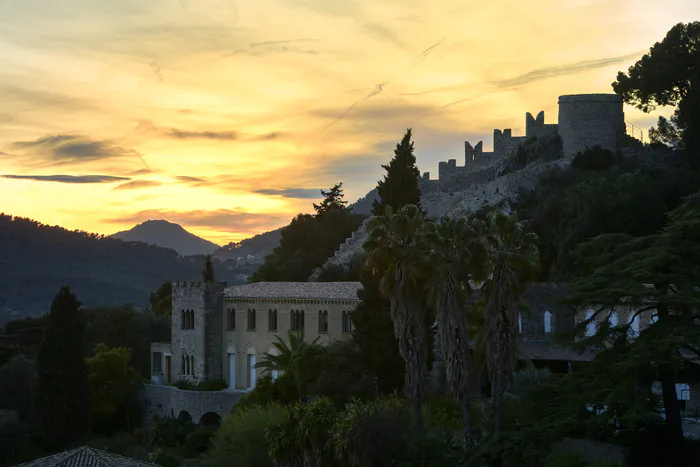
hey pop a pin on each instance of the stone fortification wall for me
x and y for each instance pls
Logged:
(587, 120)
(169, 401)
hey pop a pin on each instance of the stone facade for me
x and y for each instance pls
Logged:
(171, 402)
(219, 332)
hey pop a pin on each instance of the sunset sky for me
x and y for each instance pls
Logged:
(229, 116)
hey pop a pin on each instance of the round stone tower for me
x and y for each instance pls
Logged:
(587, 120)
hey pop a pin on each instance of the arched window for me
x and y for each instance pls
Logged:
(187, 365)
(590, 327)
(347, 322)
(183, 369)
(613, 320)
(191, 319)
(231, 319)
(297, 320)
(272, 320)
(634, 324)
(192, 365)
(251, 319)
(322, 321)
(547, 322)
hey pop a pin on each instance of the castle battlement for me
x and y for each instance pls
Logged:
(584, 120)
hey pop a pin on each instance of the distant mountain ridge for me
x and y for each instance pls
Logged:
(167, 235)
(37, 259)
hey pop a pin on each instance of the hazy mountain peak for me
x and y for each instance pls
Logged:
(167, 234)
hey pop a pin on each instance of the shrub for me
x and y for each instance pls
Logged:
(282, 391)
(183, 384)
(567, 459)
(198, 440)
(515, 448)
(212, 385)
(163, 457)
(430, 450)
(171, 431)
(594, 159)
(241, 438)
(372, 433)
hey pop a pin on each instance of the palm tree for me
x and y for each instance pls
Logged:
(287, 355)
(511, 258)
(448, 245)
(395, 258)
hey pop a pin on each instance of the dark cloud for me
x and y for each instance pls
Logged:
(68, 178)
(188, 179)
(222, 135)
(137, 184)
(141, 172)
(217, 135)
(569, 69)
(60, 149)
(297, 193)
(236, 220)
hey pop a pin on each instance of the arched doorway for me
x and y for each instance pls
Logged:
(231, 353)
(184, 416)
(210, 419)
(250, 367)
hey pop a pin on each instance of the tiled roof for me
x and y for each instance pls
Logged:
(296, 290)
(86, 457)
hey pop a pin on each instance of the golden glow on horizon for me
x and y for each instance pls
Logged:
(228, 117)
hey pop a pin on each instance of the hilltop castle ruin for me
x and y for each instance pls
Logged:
(585, 120)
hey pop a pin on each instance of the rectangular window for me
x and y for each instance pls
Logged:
(251, 319)
(272, 320)
(231, 320)
(347, 322)
(157, 363)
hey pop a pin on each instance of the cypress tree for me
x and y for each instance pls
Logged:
(208, 273)
(63, 397)
(400, 184)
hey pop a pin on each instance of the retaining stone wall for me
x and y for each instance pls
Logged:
(169, 401)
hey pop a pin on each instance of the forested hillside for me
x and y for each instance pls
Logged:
(37, 259)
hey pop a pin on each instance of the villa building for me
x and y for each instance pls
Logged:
(219, 332)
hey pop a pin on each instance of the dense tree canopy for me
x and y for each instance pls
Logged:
(669, 75)
(400, 184)
(63, 396)
(654, 274)
(307, 242)
(332, 199)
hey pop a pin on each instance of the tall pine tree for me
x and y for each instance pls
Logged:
(400, 184)
(63, 397)
(374, 328)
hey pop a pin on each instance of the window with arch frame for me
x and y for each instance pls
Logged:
(251, 319)
(191, 365)
(183, 369)
(323, 321)
(272, 320)
(297, 323)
